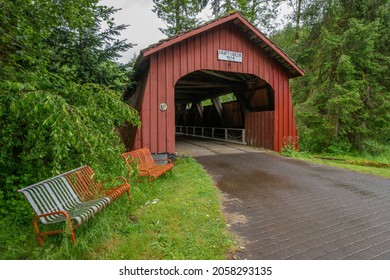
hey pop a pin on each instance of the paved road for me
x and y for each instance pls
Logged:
(288, 209)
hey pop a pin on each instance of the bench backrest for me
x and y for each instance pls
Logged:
(82, 181)
(141, 157)
(54, 194)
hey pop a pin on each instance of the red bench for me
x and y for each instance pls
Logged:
(84, 184)
(142, 162)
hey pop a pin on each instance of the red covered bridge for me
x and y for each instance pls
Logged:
(225, 56)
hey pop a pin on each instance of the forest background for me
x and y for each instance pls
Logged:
(61, 84)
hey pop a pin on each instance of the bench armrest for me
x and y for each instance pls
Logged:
(61, 212)
(145, 170)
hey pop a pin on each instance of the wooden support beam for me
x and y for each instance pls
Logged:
(218, 107)
(200, 109)
(208, 85)
(242, 101)
(180, 113)
(197, 106)
(221, 75)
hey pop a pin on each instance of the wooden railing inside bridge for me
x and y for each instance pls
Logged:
(234, 135)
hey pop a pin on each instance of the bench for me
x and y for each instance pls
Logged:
(86, 187)
(69, 198)
(145, 165)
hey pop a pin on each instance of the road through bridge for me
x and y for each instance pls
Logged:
(283, 208)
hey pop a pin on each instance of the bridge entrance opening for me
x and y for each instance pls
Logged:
(216, 104)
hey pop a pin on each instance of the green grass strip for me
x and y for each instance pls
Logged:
(178, 218)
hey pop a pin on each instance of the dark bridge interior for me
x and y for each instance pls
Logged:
(250, 94)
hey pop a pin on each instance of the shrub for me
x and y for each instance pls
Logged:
(45, 133)
(290, 146)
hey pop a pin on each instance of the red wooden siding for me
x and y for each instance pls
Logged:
(233, 115)
(169, 64)
(259, 129)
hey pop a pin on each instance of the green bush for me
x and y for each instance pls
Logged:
(45, 133)
(374, 148)
(290, 146)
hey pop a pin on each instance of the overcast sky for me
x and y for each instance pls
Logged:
(144, 24)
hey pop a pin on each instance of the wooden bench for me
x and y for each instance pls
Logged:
(69, 198)
(142, 162)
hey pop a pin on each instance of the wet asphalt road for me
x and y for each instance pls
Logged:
(282, 208)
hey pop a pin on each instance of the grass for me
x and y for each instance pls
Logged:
(177, 218)
(367, 164)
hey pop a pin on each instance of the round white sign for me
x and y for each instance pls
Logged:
(163, 106)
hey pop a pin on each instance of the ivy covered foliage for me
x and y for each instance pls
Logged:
(60, 93)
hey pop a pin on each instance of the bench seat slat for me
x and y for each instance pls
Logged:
(156, 170)
(86, 210)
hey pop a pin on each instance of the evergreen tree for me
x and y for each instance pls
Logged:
(88, 50)
(341, 102)
(179, 15)
(222, 7)
(261, 13)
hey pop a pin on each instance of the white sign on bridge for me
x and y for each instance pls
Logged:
(229, 56)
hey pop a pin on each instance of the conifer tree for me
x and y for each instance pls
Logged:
(341, 102)
(179, 15)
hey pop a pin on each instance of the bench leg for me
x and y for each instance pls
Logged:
(71, 229)
(37, 231)
(128, 194)
(41, 234)
(73, 237)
